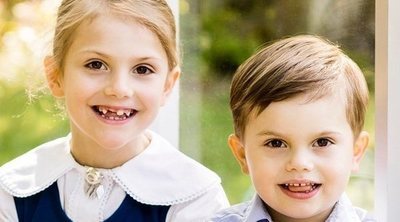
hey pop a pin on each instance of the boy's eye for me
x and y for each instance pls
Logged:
(275, 143)
(96, 65)
(142, 70)
(322, 142)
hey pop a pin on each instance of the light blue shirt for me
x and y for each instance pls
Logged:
(254, 211)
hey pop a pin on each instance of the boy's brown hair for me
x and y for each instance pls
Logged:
(303, 64)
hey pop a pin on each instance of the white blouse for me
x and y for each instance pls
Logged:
(160, 175)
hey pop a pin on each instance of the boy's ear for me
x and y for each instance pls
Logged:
(53, 76)
(239, 152)
(360, 146)
(172, 77)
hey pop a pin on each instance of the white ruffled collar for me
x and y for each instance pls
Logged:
(160, 175)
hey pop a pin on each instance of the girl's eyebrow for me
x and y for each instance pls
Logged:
(90, 51)
(93, 52)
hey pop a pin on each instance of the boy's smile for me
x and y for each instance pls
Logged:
(299, 155)
(300, 189)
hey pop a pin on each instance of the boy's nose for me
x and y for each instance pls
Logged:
(119, 86)
(300, 160)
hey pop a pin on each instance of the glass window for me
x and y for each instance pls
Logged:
(218, 35)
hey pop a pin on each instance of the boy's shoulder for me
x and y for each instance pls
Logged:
(235, 213)
(345, 211)
(252, 210)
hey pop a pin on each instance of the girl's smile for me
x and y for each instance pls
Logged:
(113, 85)
(114, 114)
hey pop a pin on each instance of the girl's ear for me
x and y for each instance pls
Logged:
(53, 76)
(239, 152)
(359, 149)
(172, 77)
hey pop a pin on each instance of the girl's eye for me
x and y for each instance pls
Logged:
(97, 65)
(322, 142)
(143, 70)
(275, 143)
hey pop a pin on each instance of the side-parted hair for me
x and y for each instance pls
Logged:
(303, 64)
(153, 14)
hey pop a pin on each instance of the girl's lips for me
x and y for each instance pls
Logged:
(300, 189)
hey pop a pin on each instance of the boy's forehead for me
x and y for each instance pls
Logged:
(300, 109)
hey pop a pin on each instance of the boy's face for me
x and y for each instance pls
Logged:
(300, 155)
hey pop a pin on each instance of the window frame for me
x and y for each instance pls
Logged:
(387, 118)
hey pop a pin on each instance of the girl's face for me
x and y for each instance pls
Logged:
(115, 79)
(299, 155)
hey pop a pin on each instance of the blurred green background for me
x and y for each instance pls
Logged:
(216, 36)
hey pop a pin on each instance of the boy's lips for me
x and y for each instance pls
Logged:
(114, 113)
(302, 189)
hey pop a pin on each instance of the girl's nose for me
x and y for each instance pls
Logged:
(119, 86)
(300, 160)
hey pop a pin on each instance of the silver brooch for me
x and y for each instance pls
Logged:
(93, 187)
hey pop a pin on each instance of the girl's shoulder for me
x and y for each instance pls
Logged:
(162, 175)
(37, 169)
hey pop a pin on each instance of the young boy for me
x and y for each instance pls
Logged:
(298, 107)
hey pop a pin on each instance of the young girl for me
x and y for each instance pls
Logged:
(114, 63)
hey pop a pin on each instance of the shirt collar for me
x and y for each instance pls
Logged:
(182, 178)
(160, 175)
(37, 169)
(342, 211)
(257, 211)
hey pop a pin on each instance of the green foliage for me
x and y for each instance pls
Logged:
(232, 30)
(24, 125)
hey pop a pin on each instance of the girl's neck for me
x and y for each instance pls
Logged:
(89, 153)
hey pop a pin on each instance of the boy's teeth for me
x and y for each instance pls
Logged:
(299, 184)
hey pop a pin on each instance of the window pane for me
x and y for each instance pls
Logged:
(218, 35)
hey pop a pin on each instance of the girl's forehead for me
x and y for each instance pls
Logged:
(114, 36)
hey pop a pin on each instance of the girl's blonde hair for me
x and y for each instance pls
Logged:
(298, 65)
(153, 14)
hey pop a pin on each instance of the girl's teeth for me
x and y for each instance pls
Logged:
(120, 112)
(127, 113)
(102, 110)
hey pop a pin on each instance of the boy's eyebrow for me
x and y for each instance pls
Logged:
(273, 133)
(325, 133)
(269, 133)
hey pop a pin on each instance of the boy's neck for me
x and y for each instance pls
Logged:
(278, 217)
